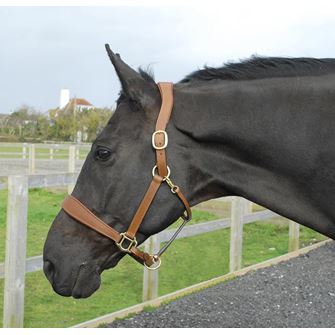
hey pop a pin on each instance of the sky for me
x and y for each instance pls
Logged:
(45, 49)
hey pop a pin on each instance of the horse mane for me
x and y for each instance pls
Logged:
(254, 67)
(263, 67)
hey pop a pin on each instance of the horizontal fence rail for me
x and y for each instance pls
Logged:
(44, 145)
(31, 154)
(17, 265)
(48, 180)
(35, 263)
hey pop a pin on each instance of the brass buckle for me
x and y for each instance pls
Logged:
(133, 242)
(166, 139)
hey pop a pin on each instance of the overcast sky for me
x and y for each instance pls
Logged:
(44, 49)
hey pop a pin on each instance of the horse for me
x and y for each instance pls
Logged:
(260, 128)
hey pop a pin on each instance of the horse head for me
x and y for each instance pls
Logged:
(111, 184)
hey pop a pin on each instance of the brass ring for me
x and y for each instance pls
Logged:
(154, 170)
(159, 261)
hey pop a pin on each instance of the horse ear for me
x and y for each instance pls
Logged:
(133, 84)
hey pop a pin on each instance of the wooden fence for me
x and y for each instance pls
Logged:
(16, 265)
(33, 152)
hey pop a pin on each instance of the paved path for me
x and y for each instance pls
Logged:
(295, 293)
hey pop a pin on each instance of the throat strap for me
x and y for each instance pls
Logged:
(127, 241)
(144, 206)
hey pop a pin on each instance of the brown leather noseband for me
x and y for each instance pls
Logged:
(126, 241)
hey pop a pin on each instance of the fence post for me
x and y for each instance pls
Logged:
(72, 165)
(51, 153)
(24, 150)
(150, 277)
(15, 261)
(236, 234)
(293, 239)
(31, 167)
(247, 207)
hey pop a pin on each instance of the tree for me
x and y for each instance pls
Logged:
(67, 123)
(22, 123)
(27, 124)
(92, 121)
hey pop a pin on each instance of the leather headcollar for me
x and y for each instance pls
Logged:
(126, 241)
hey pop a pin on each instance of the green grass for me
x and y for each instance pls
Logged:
(43, 206)
(188, 261)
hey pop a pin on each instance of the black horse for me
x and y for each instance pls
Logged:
(262, 129)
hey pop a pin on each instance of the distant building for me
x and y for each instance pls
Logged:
(64, 97)
(78, 105)
(74, 105)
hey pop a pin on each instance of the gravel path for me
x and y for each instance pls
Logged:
(296, 293)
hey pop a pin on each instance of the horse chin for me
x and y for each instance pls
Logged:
(89, 280)
(86, 284)
(113, 260)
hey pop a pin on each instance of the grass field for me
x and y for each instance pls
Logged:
(188, 261)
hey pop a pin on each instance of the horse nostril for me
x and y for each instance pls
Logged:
(49, 270)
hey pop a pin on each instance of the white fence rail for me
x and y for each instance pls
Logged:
(16, 264)
(33, 151)
(41, 157)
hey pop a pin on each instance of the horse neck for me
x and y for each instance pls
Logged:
(223, 121)
(247, 140)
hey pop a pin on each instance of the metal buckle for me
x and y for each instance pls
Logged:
(166, 139)
(133, 242)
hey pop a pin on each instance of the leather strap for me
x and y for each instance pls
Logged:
(82, 214)
(144, 206)
(160, 137)
(79, 212)
(127, 241)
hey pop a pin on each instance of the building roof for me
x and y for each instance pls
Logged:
(76, 103)
(80, 101)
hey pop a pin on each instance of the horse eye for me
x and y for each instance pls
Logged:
(102, 154)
